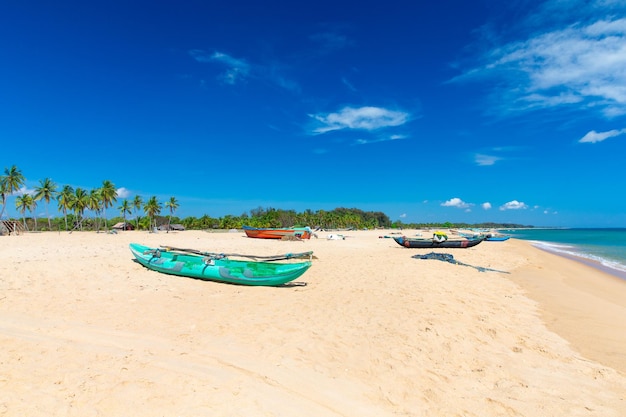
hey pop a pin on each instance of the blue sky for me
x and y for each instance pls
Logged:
(427, 111)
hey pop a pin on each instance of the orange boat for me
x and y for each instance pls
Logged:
(278, 233)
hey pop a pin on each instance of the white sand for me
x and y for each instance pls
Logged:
(86, 331)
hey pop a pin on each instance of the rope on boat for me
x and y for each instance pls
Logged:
(156, 253)
(446, 257)
(215, 256)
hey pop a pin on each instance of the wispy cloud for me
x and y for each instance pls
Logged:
(379, 139)
(580, 63)
(362, 118)
(331, 41)
(493, 155)
(348, 84)
(486, 160)
(236, 69)
(593, 136)
(239, 70)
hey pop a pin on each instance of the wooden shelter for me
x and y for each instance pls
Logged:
(123, 226)
(11, 227)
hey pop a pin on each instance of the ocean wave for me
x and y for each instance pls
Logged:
(578, 252)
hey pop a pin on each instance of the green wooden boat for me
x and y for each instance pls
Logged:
(218, 267)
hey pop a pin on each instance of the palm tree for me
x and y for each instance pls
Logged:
(94, 203)
(32, 209)
(65, 198)
(172, 204)
(125, 209)
(47, 190)
(79, 203)
(22, 203)
(152, 208)
(108, 194)
(137, 202)
(10, 182)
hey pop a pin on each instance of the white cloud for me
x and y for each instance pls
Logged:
(456, 202)
(123, 192)
(486, 206)
(580, 62)
(513, 205)
(23, 191)
(593, 136)
(486, 160)
(403, 215)
(362, 118)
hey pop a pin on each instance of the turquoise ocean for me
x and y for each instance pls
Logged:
(604, 249)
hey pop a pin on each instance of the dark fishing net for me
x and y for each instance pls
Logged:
(446, 257)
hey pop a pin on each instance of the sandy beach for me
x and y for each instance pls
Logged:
(368, 331)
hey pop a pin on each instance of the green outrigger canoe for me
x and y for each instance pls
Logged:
(218, 267)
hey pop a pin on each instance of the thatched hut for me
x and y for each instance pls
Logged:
(123, 226)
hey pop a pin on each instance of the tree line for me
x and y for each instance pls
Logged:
(74, 203)
(87, 210)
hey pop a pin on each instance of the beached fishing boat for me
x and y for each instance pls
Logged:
(278, 233)
(474, 235)
(408, 242)
(258, 270)
(496, 238)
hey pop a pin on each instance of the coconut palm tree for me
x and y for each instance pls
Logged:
(10, 182)
(108, 194)
(22, 203)
(64, 199)
(172, 205)
(94, 203)
(124, 210)
(137, 202)
(47, 190)
(152, 208)
(80, 202)
(32, 208)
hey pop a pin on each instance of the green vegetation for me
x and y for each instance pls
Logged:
(75, 203)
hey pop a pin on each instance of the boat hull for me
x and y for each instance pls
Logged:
(430, 243)
(497, 238)
(277, 233)
(220, 270)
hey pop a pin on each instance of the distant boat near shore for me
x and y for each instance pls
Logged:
(497, 238)
(408, 242)
(278, 233)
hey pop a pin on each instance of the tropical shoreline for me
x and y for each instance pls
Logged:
(600, 266)
(371, 331)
